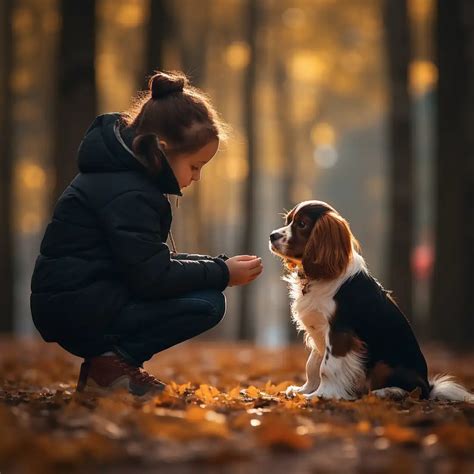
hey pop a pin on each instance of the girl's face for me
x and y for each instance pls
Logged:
(187, 166)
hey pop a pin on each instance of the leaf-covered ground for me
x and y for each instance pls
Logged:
(224, 411)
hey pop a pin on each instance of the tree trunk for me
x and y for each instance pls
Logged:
(452, 296)
(401, 174)
(246, 320)
(160, 25)
(286, 132)
(6, 168)
(76, 91)
(193, 44)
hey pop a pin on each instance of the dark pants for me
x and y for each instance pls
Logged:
(144, 328)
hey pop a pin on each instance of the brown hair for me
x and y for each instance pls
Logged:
(176, 112)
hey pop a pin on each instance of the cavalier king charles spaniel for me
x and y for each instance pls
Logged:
(359, 338)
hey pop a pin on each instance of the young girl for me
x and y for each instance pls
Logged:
(106, 286)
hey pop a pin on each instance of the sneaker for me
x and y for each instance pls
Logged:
(102, 374)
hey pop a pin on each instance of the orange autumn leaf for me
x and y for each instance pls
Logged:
(234, 393)
(297, 401)
(207, 393)
(177, 389)
(252, 392)
(276, 389)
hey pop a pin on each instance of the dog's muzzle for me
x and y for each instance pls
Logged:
(274, 236)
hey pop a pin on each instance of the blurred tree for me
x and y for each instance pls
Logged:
(453, 280)
(76, 88)
(401, 204)
(286, 133)
(192, 39)
(246, 319)
(191, 29)
(6, 168)
(159, 28)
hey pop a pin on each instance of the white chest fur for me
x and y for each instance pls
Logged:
(313, 309)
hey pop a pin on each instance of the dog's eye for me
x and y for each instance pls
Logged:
(301, 224)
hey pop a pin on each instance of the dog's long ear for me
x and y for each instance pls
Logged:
(329, 248)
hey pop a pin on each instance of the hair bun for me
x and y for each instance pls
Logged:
(163, 84)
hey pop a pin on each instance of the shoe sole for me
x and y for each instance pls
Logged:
(123, 382)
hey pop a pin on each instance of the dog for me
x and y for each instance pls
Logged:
(360, 341)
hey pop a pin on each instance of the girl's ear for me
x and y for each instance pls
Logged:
(163, 144)
(329, 248)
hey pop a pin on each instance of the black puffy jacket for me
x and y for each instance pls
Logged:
(106, 243)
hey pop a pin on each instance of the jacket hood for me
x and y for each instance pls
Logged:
(105, 148)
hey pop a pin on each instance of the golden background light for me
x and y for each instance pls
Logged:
(308, 66)
(130, 15)
(420, 9)
(423, 76)
(323, 133)
(236, 168)
(30, 183)
(237, 55)
(30, 223)
(32, 176)
(293, 18)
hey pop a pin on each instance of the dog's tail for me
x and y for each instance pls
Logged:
(443, 387)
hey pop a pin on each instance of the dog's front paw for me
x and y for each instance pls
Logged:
(294, 389)
(329, 393)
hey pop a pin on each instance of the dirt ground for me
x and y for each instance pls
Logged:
(224, 411)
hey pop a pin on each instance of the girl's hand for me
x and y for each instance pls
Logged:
(243, 269)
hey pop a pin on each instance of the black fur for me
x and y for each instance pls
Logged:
(366, 310)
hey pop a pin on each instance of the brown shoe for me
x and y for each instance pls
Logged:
(102, 374)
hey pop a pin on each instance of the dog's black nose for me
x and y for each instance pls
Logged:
(275, 236)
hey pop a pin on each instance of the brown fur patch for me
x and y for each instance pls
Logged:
(344, 342)
(379, 375)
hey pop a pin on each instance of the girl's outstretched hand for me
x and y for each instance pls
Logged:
(243, 269)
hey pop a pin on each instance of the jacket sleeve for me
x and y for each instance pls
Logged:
(132, 224)
(195, 256)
